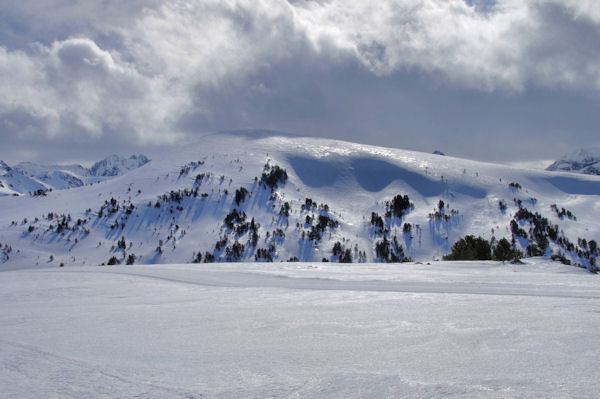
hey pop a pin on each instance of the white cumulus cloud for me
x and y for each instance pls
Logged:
(103, 69)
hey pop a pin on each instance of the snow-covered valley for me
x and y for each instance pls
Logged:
(256, 330)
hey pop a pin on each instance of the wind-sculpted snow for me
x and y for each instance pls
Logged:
(318, 173)
(373, 175)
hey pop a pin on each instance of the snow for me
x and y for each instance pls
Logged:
(456, 329)
(114, 165)
(34, 170)
(576, 185)
(19, 183)
(354, 180)
(28, 177)
(586, 161)
(167, 328)
(583, 155)
(4, 167)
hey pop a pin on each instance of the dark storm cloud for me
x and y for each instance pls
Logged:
(479, 79)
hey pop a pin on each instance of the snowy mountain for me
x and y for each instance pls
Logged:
(5, 189)
(246, 196)
(31, 178)
(586, 161)
(35, 170)
(14, 183)
(116, 166)
(57, 177)
(4, 167)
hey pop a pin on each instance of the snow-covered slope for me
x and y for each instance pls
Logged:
(301, 330)
(17, 183)
(28, 177)
(57, 177)
(262, 196)
(586, 161)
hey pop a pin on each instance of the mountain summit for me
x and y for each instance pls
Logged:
(586, 161)
(114, 165)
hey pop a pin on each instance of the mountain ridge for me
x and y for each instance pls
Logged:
(585, 161)
(233, 197)
(32, 178)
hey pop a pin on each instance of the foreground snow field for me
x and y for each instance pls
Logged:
(446, 329)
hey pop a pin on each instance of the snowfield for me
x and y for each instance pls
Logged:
(301, 330)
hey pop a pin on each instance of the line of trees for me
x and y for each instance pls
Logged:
(478, 248)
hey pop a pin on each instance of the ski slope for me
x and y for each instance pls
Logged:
(256, 330)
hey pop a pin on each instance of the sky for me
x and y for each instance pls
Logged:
(504, 81)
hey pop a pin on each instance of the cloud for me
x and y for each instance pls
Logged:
(493, 47)
(45, 21)
(586, 10)
(149, 72)
(75, 87)
(156, 72)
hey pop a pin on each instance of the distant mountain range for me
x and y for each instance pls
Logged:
(586, 161)
(32, 178)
